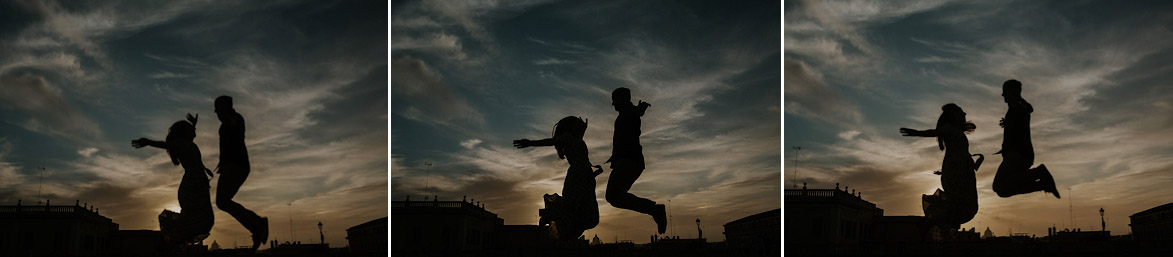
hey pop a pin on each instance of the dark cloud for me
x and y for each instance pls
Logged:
(708, 69)
(808, 95)
(427, 96)
(310, 78)
(1094, 71)
(362, 102)
(47, 108)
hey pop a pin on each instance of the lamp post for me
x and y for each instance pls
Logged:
(1103, 225)
(320, 234)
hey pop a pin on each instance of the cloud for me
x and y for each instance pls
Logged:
(553, 61)
(471, 15)
(49, 110)
(86, 29)
(933, 59)
(849, 134)
(168, 75)
(10, 176)
(439, 43)
(59, 62)
(808, 95)
(432, 99)
(832, 35)
(87, 152)
(708, 135)
(71, 71)
(1097, 88)
(469, 144)
(566, 47)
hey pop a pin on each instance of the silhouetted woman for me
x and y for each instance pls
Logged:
(576, 210)
(195, 221)
(956, 202)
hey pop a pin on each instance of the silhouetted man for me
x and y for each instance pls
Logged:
(1015, 176)
(627, 159)
(234, 169)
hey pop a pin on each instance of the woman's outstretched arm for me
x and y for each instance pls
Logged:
(918, 133)
(141, 142)
(523, 143)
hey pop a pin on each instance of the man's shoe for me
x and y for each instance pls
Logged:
(262, 234)
(1047, 181)
(661, 218)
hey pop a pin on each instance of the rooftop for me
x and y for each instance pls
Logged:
(766, 214)
(51, 211)
(1164, 207)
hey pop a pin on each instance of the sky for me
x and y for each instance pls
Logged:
(1096, 72)
(469, 77)
(80, 79)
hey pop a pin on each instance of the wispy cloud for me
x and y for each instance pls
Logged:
(168, 75)
(433, 99)
(46, 107)
(1095, 88)
(707, 138)
(84, 76)
(808, 95)
(553, 61)
(440, 43)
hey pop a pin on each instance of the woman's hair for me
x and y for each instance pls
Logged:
(953, 116)
(569, 126)
(180, 132)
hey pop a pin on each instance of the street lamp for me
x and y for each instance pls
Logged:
(1103, 226)
(320, 234)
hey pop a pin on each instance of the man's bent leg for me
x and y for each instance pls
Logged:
(623, 175)
(617, 186)
(231, 179)
(1013, 176)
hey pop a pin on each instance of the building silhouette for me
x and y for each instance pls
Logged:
(523, 237)
(129, 243)
(1056, 235)
(840, 222)
(828, 217)
(758, 231)
(368, 239)
(835, 222)
(898, 229)
(54, 230)
(1154, 224)
(297, 248)
(442, 227)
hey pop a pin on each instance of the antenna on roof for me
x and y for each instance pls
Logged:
(42, 181)
(1070, 207)
(796, 150)
(427, 179)
(292, 234)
